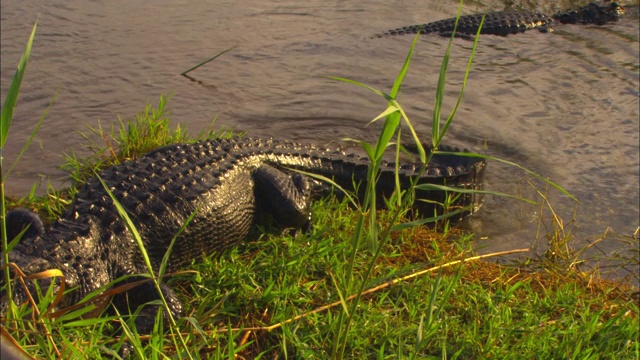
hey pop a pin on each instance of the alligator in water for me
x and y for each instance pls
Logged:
(228, 184)
(508, 22)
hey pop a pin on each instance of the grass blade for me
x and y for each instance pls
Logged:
(444, 129)
(33, 134)
(145, 255)
(207, 61)
(165, 259)
(471, 191)
(14, 90)
(5, 124)
(530, 172)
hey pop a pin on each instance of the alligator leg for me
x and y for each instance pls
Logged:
(146, 318)
(286, 198)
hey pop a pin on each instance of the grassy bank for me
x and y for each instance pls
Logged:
(279, 295)
(356, 286)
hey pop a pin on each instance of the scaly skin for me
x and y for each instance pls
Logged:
(509, 22)
(228, 183)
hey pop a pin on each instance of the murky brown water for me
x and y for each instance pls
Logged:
(563, 104)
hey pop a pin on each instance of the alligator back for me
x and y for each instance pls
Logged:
(215, 179)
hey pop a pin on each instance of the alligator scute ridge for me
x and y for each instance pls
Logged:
(229, 182)
(509, 22)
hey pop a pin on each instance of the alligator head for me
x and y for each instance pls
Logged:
(592, 13)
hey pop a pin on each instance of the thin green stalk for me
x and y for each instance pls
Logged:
(442, 80)
(391, 125)
(511, 163)
(443, 131)
(207, 61)
(393, 114)
(155, 278)
(5, 124)
(33, 134)
(14, 90)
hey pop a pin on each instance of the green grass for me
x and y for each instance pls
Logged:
(363, 284)
(148, 131)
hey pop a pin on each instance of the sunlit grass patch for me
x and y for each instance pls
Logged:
(132, 138)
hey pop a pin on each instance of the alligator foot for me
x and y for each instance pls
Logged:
(146, 298)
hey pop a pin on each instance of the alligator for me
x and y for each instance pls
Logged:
(228, 184)
(509, 22)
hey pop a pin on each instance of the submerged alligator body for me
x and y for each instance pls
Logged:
(226, 183)
(509, 22)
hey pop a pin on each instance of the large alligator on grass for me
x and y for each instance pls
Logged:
(227, 184)
(508, 22)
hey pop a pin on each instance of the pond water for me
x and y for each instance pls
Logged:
(563, 104)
